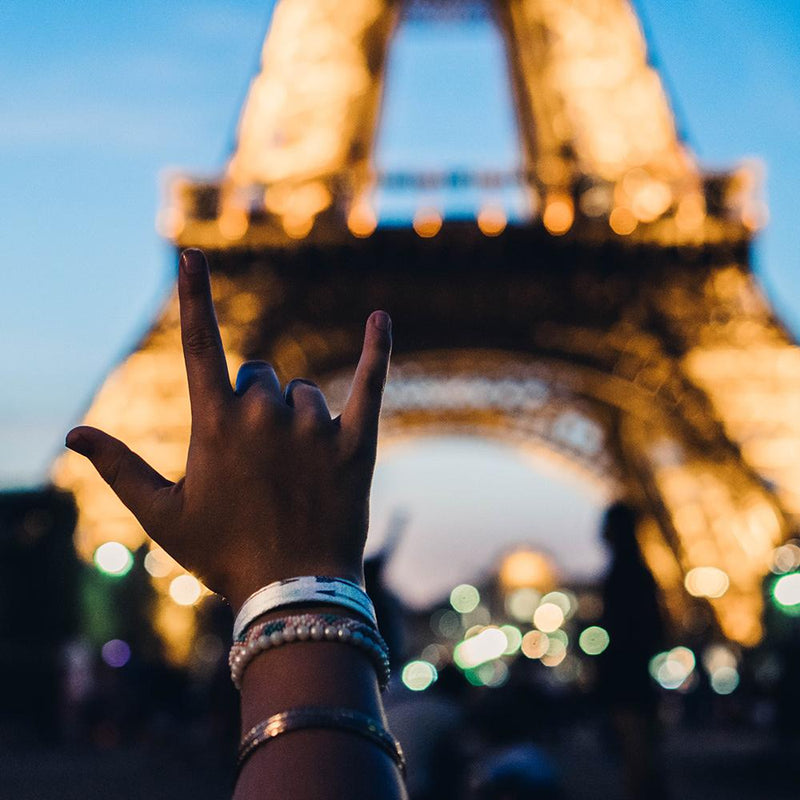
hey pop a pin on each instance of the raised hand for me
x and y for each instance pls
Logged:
(274, 486)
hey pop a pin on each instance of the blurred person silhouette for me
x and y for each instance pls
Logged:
(522, 772)
(388, 607)
(433, 728)
(634, 621)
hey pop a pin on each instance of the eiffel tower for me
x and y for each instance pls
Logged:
(615, 325)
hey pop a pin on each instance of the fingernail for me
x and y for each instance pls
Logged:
(287, 392)
(193, 261)
(382, 321)
(79, 443)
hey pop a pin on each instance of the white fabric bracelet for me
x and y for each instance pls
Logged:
(304, 589)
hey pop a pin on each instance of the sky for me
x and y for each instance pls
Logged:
(98, 99)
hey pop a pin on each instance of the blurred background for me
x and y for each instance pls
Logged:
(486, 548)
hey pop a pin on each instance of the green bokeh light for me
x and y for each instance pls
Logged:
(594, 640)
(786, 593)
(114, 559)
(419, 675)
(465, 598)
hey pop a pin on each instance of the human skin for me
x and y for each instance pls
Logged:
(274, 488)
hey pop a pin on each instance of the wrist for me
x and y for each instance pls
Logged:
(246, 586)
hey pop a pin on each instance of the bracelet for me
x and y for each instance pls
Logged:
(309, 627)
(344, 719)
(304, 589)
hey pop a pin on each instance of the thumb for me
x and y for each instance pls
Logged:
(132, 479)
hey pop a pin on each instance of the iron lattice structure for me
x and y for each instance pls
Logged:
(617, 327)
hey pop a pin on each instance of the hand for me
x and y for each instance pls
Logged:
(274, 487)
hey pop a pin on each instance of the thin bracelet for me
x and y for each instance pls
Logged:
(344, 719)
(304, 589)
(309, 627)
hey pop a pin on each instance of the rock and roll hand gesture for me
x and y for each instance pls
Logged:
(274, 487)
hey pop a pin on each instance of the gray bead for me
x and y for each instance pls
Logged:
(289, 633)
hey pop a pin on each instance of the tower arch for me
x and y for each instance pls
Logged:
(624, 304)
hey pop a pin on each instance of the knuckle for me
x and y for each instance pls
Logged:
(112, 469)
(198, 341)
(259, 408)
(311, 425)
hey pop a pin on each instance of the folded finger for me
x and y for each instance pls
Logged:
(307, 399)
(258, 373)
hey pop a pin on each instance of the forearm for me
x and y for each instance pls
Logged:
(314, 764)
(265, 466)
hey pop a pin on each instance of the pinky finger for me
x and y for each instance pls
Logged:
(362, 410)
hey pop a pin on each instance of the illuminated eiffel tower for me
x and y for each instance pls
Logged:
(613, 324)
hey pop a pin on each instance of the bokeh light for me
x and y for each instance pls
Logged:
(622, 221)
(514, 637)
(491, 674)
(185, 590)
(785, 558)
(362, 220)
(548, 617)
(787, 590)
(418, 675)
(556, 652)
(706, 582)
(563, 600)
(487, 645)
(671, 669)
(716, 656)
(492, 220)
(113, 558)
(527, 569)
(559, 214)
(158, 563)
(465, 598)
(521, 603)
(209, 649)
(447, 623)
(535, 644)
(116, 653)
(724, 680)
(593, 640)
(427, 222)
(436, 654)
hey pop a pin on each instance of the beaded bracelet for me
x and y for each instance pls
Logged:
(309, 627)
(304, 589)
(343, 719)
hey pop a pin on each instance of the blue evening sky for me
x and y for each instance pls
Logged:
(98, 98)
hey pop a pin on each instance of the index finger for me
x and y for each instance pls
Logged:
(362, 410)
(206, 368)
